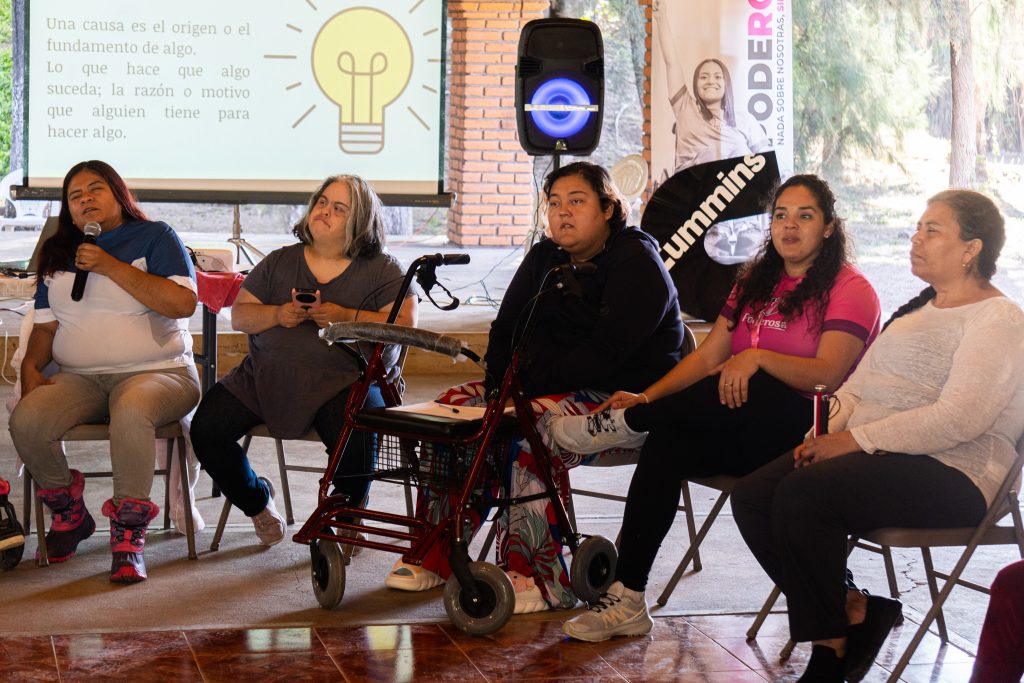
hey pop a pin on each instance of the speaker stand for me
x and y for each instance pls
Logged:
(242, 248)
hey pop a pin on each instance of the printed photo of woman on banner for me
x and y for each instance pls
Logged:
(721, 137)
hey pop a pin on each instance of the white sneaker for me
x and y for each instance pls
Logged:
(409, 577)
(270, 525)
(619, 612)
(595, 433)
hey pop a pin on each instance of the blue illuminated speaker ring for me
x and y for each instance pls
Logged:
(559, 86)
(560, 91)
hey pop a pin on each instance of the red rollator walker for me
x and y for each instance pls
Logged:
(12, 536)
(464, 461)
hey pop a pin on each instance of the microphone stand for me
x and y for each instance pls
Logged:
(241, 246)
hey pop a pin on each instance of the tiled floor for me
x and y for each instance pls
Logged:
(700, 648)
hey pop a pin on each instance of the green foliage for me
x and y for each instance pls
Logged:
(6, 69)
(860, 80)
(5, 23)
(5, 111)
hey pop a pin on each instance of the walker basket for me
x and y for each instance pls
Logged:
(435, 452)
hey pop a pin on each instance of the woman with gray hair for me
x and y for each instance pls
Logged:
(291, 380)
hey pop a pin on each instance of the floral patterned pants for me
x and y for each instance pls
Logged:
(529, 541)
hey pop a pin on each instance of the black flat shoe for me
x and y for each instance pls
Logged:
(864, 640)
(824, 666)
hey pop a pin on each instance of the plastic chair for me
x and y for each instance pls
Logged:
(171, 431)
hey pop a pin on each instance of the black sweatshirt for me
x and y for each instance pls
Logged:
(619, 329)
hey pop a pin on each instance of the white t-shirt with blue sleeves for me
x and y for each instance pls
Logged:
(109, 330)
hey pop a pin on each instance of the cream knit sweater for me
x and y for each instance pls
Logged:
(946, 382)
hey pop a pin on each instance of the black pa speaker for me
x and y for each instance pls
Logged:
(560, 86)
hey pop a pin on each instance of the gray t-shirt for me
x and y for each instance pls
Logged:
(289, 372)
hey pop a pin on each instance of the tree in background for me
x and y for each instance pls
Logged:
(862, 84)
(622, 31)
(5, 86)
(861, 78)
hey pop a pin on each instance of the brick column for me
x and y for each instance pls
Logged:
(490, 174)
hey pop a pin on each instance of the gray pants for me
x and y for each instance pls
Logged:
(136, 404)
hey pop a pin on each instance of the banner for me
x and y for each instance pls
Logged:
(721, 83)
(721, 137)
(708, 219)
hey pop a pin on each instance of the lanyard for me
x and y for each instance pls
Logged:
(755, 331)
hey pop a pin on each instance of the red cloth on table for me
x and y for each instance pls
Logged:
(217, 290)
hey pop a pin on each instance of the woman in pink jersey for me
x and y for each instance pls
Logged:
(800, 315)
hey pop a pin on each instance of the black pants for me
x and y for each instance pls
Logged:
(692, 435)
(797, 521)
(221, 420)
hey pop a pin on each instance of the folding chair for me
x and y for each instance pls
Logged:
(722, 483)
(988, 532)
(284, 468)
(171, 431)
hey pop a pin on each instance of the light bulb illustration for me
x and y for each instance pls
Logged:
(362, 61)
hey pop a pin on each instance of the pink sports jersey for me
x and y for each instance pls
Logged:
(852, 308)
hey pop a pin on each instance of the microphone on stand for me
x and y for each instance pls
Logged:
(566, 275)
(92, 229)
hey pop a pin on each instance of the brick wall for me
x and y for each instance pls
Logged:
(646, 4)
(488, 171)
(490, 174)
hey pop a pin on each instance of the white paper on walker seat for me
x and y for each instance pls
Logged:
(443, 410)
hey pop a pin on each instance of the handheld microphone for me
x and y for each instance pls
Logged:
(92, 229)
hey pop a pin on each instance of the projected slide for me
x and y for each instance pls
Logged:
(230, 95)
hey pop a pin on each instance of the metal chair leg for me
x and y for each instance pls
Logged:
(186, 495)
(27, 502)
(43, 559)
(694, 548)
(168, 464)
(221, 523)
(763, 614)
(933, 589)
(285, 489)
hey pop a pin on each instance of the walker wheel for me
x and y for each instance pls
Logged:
(327, 570)
(496, 598)
(593, 568)
(12, 556)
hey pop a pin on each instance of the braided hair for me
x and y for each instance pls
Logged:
(979, 219)
(758, 279)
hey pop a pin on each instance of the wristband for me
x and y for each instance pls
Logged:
(643, 397)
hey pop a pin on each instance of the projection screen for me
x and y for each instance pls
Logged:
(197, 99)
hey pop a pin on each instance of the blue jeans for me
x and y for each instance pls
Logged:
(221, 420)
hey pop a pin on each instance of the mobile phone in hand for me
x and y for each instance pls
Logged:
(306, 298)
